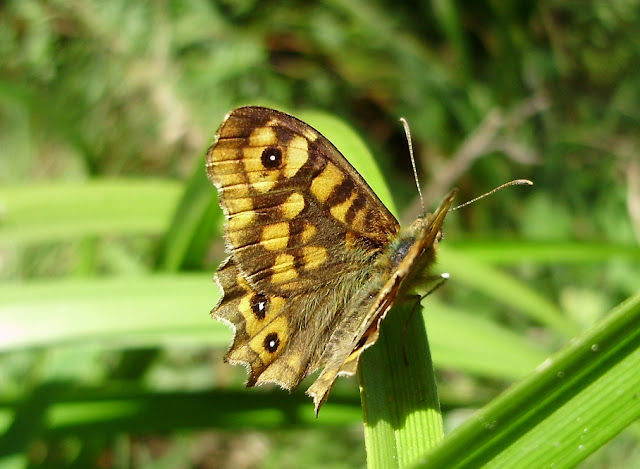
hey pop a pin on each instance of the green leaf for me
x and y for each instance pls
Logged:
(574, 403)
(505, 289)
(400, 403)
(64, 211)
(468, 342)
(196, 221)
(508, 252)
(118, 311)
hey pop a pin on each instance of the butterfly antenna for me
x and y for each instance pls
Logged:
(407, 132)
(517, 182)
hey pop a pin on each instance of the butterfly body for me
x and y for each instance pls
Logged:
(316, 260)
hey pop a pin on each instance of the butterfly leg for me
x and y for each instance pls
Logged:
(436, 282)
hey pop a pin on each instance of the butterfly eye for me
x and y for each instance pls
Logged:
(271, 342)
(259, 305)
(271, 158)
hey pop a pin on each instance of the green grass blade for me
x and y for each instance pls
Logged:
(64, 211)
(571, 406)
(402, 414)
(120, 310)
(508, 252)
(506, 289)
(197, 220)
(471, 343)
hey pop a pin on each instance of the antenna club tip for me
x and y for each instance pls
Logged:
(523, 182)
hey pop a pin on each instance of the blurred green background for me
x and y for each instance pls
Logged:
(110, 231)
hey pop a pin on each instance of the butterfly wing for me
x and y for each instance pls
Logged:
(297, 212)
(303, 229)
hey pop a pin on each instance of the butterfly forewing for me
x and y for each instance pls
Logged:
(297, 212)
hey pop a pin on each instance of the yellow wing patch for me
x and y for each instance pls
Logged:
(236, 206)
(308, 231)
(297, 155)
(339, 211)
(241, 220)
(324, 183)
(314, 256)
(283, 269)
(275, 236)
(263, 137)
(292, 207)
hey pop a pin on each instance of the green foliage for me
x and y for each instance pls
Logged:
(110, 232)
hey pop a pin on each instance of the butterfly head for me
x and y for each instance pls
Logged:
(415, 248)
(429, 226)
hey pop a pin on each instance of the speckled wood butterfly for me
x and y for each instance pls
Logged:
(316, 259)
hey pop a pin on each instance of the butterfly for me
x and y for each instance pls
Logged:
(315, 258)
